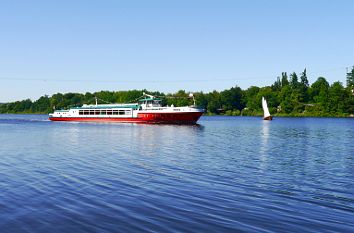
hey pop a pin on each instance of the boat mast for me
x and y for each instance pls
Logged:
(192, 96)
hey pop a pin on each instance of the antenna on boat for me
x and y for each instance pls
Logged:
(192, 96)
(96, 100)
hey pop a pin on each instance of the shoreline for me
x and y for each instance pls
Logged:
(224, 115)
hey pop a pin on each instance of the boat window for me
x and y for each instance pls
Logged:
(97, 112)
(86, 112)
(121, 112)
(156, 103)
(81, 112)
(115, 112)
(109, 112)
(103, 112)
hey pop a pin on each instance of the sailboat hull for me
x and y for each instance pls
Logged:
(268, 118)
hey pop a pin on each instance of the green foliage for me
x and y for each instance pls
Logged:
(284, 79)
(303, 87)
(231, 99)
(178, 99)
(214, 102)
(276, 85)
(285, 97)
(251, 98)
(350, 78)
(294, 82)
(320, 93)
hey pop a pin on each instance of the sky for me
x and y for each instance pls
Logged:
(82, 46)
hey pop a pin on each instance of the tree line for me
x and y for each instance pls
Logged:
(289, 95)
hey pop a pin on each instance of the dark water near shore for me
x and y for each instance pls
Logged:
(228, 174)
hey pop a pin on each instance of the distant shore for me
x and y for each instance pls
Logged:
(289, 115)
(291, 96)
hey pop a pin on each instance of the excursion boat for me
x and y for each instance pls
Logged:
(146, 110)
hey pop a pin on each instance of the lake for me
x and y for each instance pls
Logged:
(227, 174)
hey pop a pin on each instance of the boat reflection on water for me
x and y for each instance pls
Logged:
(264, 147)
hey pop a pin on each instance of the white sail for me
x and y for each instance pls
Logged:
(265, 108)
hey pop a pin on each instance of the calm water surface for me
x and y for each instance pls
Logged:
(228, 174)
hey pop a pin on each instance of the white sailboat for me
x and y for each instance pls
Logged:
(266, 115)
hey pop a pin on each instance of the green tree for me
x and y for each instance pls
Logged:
(201, 100)
(42, 105)
(294, 82)
(319, 93)
(303, 87)
(251, 99)
(286, 103)
(337, 98)
(284, 79)
(350, 78)
(231, 99)
(179, 99)
(214, 102)
(276, 85)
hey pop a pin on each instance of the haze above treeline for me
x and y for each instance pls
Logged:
(290, 95)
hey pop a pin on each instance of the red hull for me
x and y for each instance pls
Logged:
(155, 118)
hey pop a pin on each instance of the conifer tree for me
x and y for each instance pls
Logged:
(303, 79)
(350, 78)
(304, 85)
(284, 79)
(294, 83)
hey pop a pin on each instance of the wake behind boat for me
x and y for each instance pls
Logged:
(146, 110)
(266, 113)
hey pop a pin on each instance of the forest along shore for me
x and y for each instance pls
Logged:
(289, 95)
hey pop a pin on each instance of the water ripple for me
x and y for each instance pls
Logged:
(228, 174)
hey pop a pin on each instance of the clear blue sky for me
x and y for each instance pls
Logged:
(77, 46)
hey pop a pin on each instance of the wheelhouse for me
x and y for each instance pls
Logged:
(150, 102)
